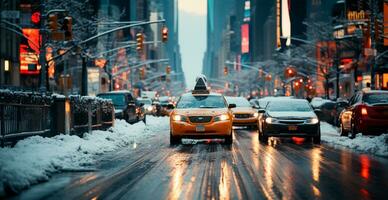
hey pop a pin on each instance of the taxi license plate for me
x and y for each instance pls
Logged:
(200, 128)
(292, 128)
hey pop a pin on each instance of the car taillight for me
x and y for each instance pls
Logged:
(364, 111)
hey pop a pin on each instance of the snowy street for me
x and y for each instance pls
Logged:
(137, 162)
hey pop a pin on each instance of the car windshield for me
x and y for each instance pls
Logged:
(289, 106)
(376, 98)
(144, 101)
(239, 101)
(117, 99)
(205, 101)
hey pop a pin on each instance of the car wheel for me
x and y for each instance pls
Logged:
(354, 130)
(343, 132)
(145, 120)
(229, 139)
(174, 139)
(317, 139)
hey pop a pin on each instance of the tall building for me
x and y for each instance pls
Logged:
(9, 44)
(222, 24)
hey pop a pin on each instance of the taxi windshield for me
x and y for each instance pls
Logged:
(206, 101)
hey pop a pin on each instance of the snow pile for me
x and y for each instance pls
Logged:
(34, 159)
(376, 145)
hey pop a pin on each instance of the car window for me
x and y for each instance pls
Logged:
(117, 99)
(144, 101)
(329, 105)
(240, 102)
(289, 106)
(375, 98)
(205, 101)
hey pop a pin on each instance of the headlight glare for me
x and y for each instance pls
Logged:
(179, 118)
(149, 108)
(312, 121)
(270, 120)
(222, 117)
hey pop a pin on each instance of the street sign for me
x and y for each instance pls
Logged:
(10, 14)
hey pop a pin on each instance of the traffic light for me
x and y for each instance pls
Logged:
(139, 41)
(164, 34)
(53, 22)
(67, 28)
(225, 71)
(168, 70)
(35, 18)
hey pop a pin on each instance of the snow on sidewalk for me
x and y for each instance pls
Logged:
(375, 145)
(35, 159)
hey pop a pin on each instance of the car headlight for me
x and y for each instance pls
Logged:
(150, 108)
(312, 121)
(222, 117)
(270, 120)
(179, 118)
(255, 115)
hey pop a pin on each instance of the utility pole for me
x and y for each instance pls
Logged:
(42, 55)
(373, 9)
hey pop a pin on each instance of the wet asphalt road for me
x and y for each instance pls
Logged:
(282, 169)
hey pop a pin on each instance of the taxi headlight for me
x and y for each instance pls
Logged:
(312, 121)
(179, 118)
(270, 120)
(222, 117)
(255, 115)
(150, 108)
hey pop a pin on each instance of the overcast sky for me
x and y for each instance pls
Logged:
(192, 37)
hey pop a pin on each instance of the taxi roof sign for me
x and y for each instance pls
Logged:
(201, 85)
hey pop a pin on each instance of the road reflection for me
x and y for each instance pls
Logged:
(365, 166)
(268, 169)
(176, 181)
(315, 163)
(225, 178)
(315, 169)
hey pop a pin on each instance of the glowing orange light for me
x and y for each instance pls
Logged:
(365, 166)
(364, 111)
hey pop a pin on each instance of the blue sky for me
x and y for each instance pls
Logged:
(192, 37)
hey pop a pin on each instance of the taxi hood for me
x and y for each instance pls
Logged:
(201, 111)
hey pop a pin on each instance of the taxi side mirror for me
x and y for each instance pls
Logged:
(232, 105)
(261, 111)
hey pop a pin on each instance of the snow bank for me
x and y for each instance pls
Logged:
(34, 159)
(375, 145)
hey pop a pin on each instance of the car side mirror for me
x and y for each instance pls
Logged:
(170, 106)
(261, 111)
(318, 112)
(232, 105)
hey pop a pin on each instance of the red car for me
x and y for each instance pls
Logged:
(367, 113)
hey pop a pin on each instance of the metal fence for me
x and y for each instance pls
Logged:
(20, 121)
(20, 118)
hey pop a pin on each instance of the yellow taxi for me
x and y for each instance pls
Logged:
(201, 114)
(244, 114)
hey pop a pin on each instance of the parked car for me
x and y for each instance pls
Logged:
(367, 113)
(148, 107)
(125, 106)
(316, 102)
(289, 118)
